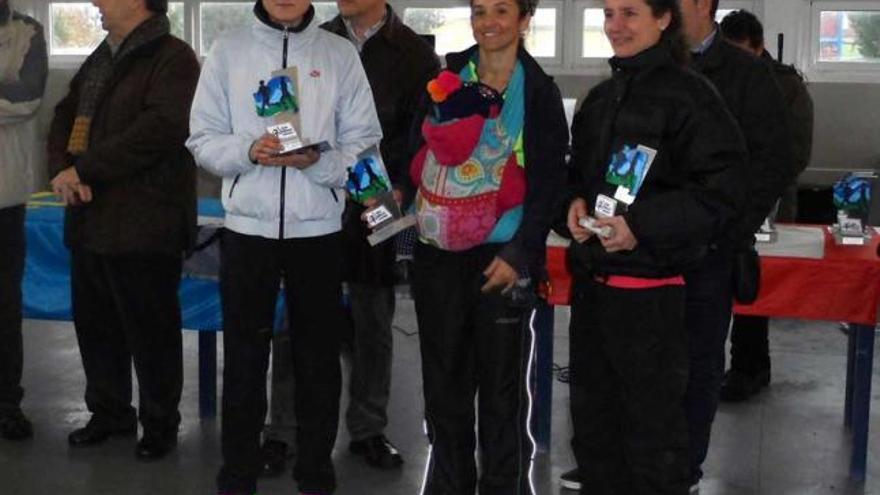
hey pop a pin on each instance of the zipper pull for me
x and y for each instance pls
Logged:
(286, 33)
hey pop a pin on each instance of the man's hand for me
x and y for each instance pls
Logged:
(68, 187)
(499, 274)
(622, 238)
(265, 152)
(576, 211)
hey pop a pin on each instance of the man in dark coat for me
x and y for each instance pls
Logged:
(116, 151)
(398, 64)
(749, 352)
(752, 95)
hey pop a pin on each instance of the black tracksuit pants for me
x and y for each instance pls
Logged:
(629, 371)
(251, 269)
(709, 303)
(750, 344)
(472, 344)
(126, 308)
(11, 272)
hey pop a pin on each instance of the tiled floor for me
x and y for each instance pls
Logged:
(790, 440)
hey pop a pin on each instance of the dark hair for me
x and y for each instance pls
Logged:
(526, 7)
(158, 6)
(742, 25)
(673, 35)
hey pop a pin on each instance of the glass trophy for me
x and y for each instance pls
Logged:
(278, 100)
(368, 184)
(767, 231)
(852, 198)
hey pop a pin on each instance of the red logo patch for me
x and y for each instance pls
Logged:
(315, 73)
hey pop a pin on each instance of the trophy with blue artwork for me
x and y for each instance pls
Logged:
(368, 184)
(852, 198)
(278, 100)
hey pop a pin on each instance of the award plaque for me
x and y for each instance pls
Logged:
(852, 197)
(278, 101)
(368, 182)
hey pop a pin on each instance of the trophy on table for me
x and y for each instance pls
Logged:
(767, 231)
(852, 198)
(278, 100)
(368, 184)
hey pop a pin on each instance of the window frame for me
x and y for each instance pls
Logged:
(818, 71)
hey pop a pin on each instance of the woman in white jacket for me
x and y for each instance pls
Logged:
(283, 217)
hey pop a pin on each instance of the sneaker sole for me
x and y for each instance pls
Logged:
(570, 485)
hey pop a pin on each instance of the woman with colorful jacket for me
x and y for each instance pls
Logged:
(657, 164)
(488, 179)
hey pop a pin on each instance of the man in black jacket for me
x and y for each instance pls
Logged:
(116, 150)
(753, 97)
(398, 64)
(749, 351)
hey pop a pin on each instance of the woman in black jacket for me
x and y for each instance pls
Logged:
(488, 179)
(656, 173)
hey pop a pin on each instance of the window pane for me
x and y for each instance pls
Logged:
(595, 44)
(451, 26)
(324, 11)
(216, 18)
(75, 28)
(175, 15)
(541, 38)
(849, 36)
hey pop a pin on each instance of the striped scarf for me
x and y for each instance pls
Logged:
(97, 71)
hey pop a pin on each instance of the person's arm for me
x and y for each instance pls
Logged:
(801, 111)
(545, 179)
(162, 125)
(213, 144)
(20, 98)
(709, 148)
(357, 126)
(61, 126)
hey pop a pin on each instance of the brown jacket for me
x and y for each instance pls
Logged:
(142, 177)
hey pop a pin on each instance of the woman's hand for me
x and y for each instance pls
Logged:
(265, 152)
(499, 274)
(576, 211)
(621, 239)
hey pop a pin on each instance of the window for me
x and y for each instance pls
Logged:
(74, 28)
(844, 41)
(451, 27)
(594, 42)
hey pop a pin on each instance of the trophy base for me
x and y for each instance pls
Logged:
(391, 229)
(765, 237)
(851, 239)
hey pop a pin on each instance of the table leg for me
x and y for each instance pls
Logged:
(850, 365)
(207, 374)
(861, 401)
(543, 376)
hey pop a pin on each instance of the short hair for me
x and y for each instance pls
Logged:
(158, 6)
(673, 35)
(742, 25)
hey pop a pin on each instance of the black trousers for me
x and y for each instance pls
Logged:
(629, 371)
(472, 344)
(126, 308)
(708, 308)
(251, 269)
(11, 272)
(749, 344)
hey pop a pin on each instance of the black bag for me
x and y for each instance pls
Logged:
(746, 275)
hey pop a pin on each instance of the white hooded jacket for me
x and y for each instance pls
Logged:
(336, 105)
(23, 70)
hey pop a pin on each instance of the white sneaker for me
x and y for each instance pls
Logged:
(570, 480)
(694, 489)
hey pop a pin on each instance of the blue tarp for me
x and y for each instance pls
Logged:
(46, 287)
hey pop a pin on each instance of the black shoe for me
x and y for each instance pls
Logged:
(154, 447)
(571, 480)
(93, 434)
(377, 451)
(15, 426)
(739, 386)
(274, 455)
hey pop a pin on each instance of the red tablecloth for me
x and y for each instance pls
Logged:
(843, 286)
